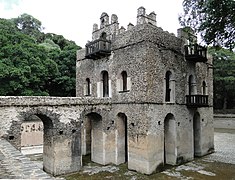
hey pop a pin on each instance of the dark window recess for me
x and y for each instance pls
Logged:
(124, 81)
(105, 79)
(168, 90)
(88, 87)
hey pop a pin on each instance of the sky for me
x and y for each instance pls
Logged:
(74, 19)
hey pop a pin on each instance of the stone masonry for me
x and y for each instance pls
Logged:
(144, 97)
(161, 100)
(61, 119)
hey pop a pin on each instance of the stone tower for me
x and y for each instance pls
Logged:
(159, 90)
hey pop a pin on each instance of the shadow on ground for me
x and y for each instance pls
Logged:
(219, 165)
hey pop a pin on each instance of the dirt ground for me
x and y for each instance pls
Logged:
(219, 165)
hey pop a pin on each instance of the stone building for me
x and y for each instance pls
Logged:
(159, 88)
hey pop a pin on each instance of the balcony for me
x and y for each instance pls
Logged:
(195, 53)
(197, 100)
(98, 49)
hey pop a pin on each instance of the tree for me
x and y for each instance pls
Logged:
(224, 78)
(29, 25)
(31, 67)
(213, 19)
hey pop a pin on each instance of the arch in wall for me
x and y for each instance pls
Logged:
(105, 83)
(170, 151)
(121, 139)
(196, 134)
(50, 121)
(169, 87)
(92, 136)
(32, 135)
(204, 88)
(103, 36)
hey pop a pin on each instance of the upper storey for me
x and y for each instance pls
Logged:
(103, 36)
(108, 37)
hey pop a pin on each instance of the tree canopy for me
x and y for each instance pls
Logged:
(34, 63)
(213, 19)
(224, 78)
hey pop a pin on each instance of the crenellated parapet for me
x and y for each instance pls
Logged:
(143, 18)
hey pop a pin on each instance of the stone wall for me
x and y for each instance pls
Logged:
(224, 121)
(156, 126)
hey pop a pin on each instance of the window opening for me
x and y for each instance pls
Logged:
(168, 90)
(88, 87)
(105, 79)
(204, 88)
(124, 81)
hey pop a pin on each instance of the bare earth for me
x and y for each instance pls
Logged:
(219, 165)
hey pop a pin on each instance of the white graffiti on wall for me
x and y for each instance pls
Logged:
(31, 133)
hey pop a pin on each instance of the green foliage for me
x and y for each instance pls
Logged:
(213, 19)
(224, 77)
(29, 25)
(28, 67)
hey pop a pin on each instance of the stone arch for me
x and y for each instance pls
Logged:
(121, 138)
(32, 135)
(170, 150)
(50, 120)
(61, 141)
(169, 87)
(197, 134)
(92, 134)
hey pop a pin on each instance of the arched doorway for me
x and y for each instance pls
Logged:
(170, 152)
(122, 139)
(92, 137)
(196, 134)
(32, 136)
(45, 128)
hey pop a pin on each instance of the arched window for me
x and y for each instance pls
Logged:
(204, 88)
(88, 87)
(103, 35)
(124, 80)
(168, 88)
(105, 81)
(191, 85)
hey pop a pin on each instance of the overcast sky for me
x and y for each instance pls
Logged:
(74, 18)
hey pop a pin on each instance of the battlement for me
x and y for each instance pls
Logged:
(111, 28)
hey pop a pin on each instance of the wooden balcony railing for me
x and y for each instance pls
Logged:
(197, 100)
(98, 49)
(196, 53)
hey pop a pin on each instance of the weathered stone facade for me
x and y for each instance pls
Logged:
(61, 119)
(144, 98)
(161, 102)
